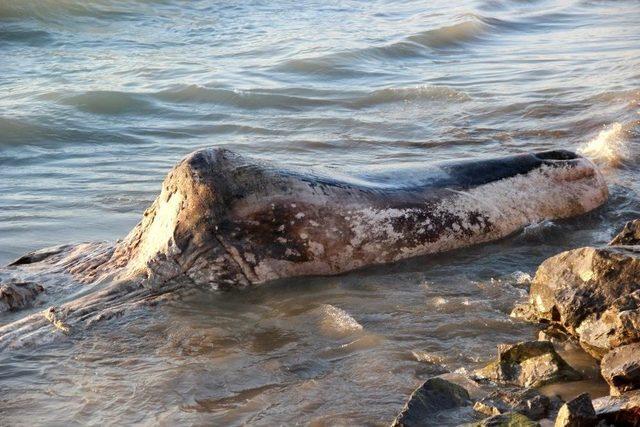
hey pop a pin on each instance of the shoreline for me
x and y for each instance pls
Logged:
(531, 383)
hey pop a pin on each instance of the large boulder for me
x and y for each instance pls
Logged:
(577, 412)
(432, 397)
(620, 411)
(528, 364)
(592, 292)
(621, 368)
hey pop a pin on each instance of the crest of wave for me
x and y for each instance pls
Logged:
(610, 147)
(336, 322)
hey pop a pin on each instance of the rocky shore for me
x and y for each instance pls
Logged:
(588, 298)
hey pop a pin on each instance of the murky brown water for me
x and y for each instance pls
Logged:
(100, 98)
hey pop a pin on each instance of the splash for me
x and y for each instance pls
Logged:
(610, 148)
(336, 322)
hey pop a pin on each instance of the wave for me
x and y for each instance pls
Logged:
(25, 36)
(335, 65)
(105, 102)
(288, 98)
(336, 322)
(450, 36)
(247, 99)
(56, 10)
(415, 93)
(610, 147)
(436, 40)
(24, 131)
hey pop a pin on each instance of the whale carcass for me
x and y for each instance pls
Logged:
(224, 220)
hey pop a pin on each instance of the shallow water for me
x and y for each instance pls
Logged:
(100, 98)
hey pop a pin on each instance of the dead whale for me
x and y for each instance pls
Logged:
(223, 220)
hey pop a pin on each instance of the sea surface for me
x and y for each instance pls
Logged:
(99, 98)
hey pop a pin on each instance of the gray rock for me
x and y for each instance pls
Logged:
(512, 419)
(621, 368)
(528, 402)
(578, 412)
(620, 411)
(434, 396)
(529, 364)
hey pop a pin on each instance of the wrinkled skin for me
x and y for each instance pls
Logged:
(223, 221)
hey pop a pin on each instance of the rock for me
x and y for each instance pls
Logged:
(476, 390)
(593, 293)
(489, 406)
(526, 312)
(555, 334)
(529, 364)
(15, 295)
(578, 412)
(435, 395)
(621, 368)
(630, 234)
(574, 284)
(621, 411)
(528, 402)
(616, 326)
(511, 419)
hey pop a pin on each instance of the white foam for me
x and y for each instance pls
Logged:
(609, 148)
(439, 301)
(522, 278)
(425, 356)
(336, 321)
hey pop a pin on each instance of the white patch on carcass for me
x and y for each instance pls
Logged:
(158, 237)
(505, 206)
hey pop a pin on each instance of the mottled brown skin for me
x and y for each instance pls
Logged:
(224, 221)
(248, 222)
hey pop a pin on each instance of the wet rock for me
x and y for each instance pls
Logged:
(475, 389)
(616, 326)
(529, 364)
(621, 368)
(555, 335)
(620, 411)
(15, 295)
(630, 234)
(512, 419)
(578, 412)
(525, 311)
(435, 395)
(528, 402)
(572, 285)
(594, 293)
